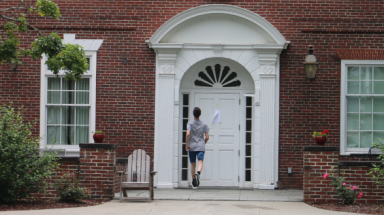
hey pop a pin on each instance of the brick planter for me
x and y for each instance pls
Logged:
(97, 170)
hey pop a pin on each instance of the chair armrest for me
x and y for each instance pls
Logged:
(120, 172)
(153, 173)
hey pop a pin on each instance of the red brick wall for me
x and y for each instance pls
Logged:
(318, 189)
(97, 172)
(64, 166)
(125, 108)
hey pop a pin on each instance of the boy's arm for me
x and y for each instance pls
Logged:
(186, 140)
(206, 137)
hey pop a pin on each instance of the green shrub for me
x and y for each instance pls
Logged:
(23, 169)
(68, 188)
(377, 171)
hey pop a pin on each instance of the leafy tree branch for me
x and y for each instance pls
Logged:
(15, 23)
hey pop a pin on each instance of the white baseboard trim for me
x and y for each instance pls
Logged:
(170, 185)
(266, 187)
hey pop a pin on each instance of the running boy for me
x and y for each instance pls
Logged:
(195, 144)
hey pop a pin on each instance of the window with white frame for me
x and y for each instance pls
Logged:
(67, 107)
(362, 104)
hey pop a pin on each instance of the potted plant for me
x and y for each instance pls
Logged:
(98, 136)
(320, 137)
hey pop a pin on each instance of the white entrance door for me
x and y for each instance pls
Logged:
(221, 160)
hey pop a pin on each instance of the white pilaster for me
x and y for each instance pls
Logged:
(164, 118)
(267, 121)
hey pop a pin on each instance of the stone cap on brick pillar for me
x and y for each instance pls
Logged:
(97, 146)
(321, 149)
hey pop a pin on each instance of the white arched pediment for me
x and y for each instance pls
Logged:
(218, 29)
(217, 24)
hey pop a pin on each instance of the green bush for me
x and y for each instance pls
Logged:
(68, 188)
(23, 169)
(377, 171)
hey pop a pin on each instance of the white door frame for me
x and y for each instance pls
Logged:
(241, 167)
(259, 57)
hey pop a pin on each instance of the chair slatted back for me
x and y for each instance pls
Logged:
(138, 162)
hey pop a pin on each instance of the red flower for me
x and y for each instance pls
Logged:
(322, 133)
(326, 131)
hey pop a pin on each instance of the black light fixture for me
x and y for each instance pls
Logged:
(13, 65)
(310, 64)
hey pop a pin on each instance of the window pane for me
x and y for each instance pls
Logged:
(378, 104)
(379, 87)
(248, 150)
(379, 73)
(183, 137)
(247, 163)
(185, 99)
(184, 163)
(249, 113)
(82, 97)
(184, 174)
(185, 122)
(353, 87)
(366, 121)
(88, 62)
(377, 135)
(352, 104)
(82, 134)
(353, 121)
(53, 136)
(185, 112)
(67, 135)
(352, 139)
(82, 84)
(249, 101)
(248, 125)
(184, 152)
(365, 139)
(53, 97)
(68, 98)
(353, 73)
(378, 121)
(248, 137)
(53, 115)
(366, 73)
(68, 115)
(366, 104)
(247, 175)
(54, 83)
(366, 87)
(82, 115)
(68, 85)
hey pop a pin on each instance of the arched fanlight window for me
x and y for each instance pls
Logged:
(218, 78)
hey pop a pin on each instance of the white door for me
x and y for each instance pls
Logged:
(221, 160)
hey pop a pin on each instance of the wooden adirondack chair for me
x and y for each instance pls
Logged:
(138, 162)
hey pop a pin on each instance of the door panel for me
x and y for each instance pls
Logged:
(221, 161)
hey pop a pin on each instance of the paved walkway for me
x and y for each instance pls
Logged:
(203, 194)
(172, 207)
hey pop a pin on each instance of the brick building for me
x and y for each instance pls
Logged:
(151, 62)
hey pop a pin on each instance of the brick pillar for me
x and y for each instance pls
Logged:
(317, 161)
(97, 170)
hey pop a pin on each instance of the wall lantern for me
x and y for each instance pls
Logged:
(13, 65)
(310, 64)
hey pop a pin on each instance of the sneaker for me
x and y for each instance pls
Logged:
(197, 177)
(194, 184)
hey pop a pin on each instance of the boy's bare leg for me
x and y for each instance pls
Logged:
(193, 167)
(199, 166)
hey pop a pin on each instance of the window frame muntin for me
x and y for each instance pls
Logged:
(343, 101)
(45, 74)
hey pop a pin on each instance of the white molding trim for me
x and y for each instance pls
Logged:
(91, 47)
(176, 60)
(343, 103)
(200, 11)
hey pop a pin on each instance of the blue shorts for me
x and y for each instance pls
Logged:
(192, 156)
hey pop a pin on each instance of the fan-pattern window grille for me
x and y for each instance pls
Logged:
(219, 77)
